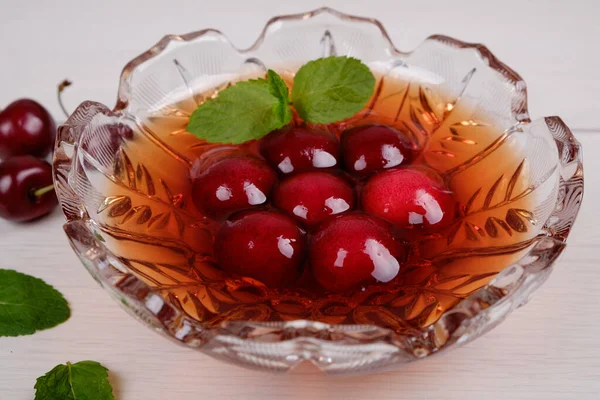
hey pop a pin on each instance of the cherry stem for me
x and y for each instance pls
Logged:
(61, 87)
(42, 191)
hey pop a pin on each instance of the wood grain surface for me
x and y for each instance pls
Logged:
(547, 350)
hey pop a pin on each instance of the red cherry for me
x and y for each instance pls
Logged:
(408, 197)
(26, 128)
(296, 149)
(311, 197)
(233, 184)
(20, 178)
(353, 250)
(263, 245)
(370, 148)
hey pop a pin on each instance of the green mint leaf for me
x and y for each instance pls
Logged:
(85, 380)
(28, 304)
(332, 89)
(279, 89)
(245, 111)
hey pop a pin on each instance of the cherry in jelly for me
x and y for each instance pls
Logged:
(264, 245)
(408, 198)
(297, 149)
(233, 184)
(354, 250)
(370, 148)
(311, 197)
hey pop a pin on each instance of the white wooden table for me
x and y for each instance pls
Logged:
(547, 350)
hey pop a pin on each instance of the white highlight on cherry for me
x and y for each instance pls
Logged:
(255, 196)
(414, 218)
(336, 205)
(386, 267)
(360, 164)
(5, 183)
(433, 211)
(392, 155)
(31, 124)
(341, 256)
(286, 166)
(300, 211)
(285, 246)
(322, 159)
(223, 193)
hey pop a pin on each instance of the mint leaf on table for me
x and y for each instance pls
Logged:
(332, 89)
(28, 304)
(85, 380)
(245, 111)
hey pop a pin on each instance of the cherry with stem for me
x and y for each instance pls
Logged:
(27, 133)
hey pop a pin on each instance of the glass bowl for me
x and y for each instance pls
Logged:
(98, 147)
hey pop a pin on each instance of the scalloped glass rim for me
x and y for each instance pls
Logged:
(278, 346)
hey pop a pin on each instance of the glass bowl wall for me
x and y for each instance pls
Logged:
(98, 145)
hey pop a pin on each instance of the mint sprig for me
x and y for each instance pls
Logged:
(332, 89)
(28, 304)
(325, 90)
(279, 89)
(83, 380)
(245, 111)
